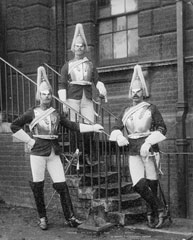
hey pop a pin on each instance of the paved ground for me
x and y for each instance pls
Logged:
(17, 223)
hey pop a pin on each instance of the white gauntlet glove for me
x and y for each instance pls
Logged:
(122, 141)
(154, 138)
(98, 128)
(117, 135)
(24, 137)
(31, 143)
(102, 90)
(90, 128)
(62, 97)
(144, 151)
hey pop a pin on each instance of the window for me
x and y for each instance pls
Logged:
(118, 30)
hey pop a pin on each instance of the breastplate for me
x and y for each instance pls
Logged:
(140, 121)
(48, 125)
(82, 72)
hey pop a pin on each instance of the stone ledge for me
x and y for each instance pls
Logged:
(5, 127)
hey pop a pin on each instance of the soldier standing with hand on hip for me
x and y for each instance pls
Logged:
(44, 121)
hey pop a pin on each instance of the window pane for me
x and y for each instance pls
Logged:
(132, 21)
(105, 47)
(120, 24)
(133, 42)
(117, 6)
(120, 49)
(105, 27)
(131, 5)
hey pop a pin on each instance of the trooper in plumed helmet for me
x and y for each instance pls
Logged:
(77, 77)
(43, 122)
(145, 128)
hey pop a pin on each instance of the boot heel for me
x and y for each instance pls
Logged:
(74, 222)
(150, 221)
(43, 223)
(161, 220)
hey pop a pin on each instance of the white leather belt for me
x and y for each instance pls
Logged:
(138, 135)
(81, 82)
(49, 137)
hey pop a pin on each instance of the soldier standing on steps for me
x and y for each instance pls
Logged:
(145, 128)
(78, 76)
(43, 121)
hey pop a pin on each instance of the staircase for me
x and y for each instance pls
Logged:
(104, 169)
(122, 204)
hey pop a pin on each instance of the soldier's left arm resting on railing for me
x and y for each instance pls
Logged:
(116, 134)
(80, 126)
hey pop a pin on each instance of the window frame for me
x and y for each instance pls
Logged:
(116, 61)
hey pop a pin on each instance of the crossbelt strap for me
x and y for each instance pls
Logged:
(41, 117)
(72, 65)
(132, 110)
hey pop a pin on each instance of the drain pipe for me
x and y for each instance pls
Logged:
(181, 110)
(60, 31)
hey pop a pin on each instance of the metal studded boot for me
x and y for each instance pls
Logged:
(66, 204)
(38, 192)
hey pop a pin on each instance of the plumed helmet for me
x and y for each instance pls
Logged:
(43, 84)
(79, 37)
(138, 80)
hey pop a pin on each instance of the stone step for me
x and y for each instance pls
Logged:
(127, 201)
(113, 188)
(130, 216)
(112, 177)
(87, 167)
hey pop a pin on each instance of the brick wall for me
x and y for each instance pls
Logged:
(14, 172)
(29, 33)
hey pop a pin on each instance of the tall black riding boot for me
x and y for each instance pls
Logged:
(153, 184)
(155, 205)
(88, 147)
(66, 203)
(38, 192)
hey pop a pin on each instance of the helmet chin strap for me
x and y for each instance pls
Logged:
(45, 105)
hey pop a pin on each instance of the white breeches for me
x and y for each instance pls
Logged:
(143, 168)
(84, 106)
(53, 164)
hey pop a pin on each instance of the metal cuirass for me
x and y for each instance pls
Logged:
(82, 72)
(140, 121)
(48, 125)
